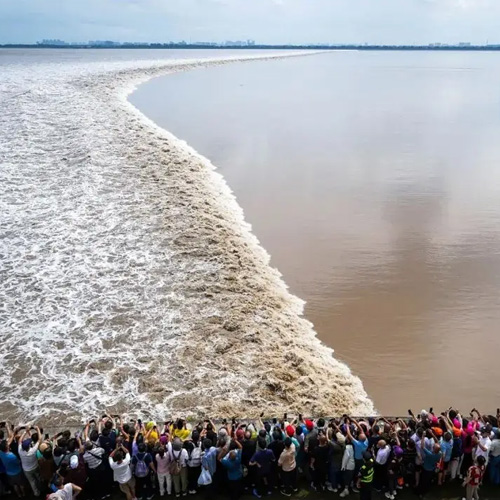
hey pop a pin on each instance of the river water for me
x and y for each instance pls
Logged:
(129, 279)
(373, 180)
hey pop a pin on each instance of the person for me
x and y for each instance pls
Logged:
(180, 430)
(319, 462)
(495, 460)
(262, 459)
(66, 491)
(76, 473)
(446, 444)
(288, 468)
(365, 477)
(474, 478)
(178, 467)
(119, 461)
(163, 472)
(99, 483)
(394, 471)
(12, 466)
(483, 444)
(249, 445)
(232, 463)
(46, 465)
(142, 465)
(383, 451)
(337, 445)
(430, 462)
(347, 469)
(360, 445)
(193, 447)
(27, 453)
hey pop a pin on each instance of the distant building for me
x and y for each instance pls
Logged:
(464, 44)
(53, 41)
(104, 43)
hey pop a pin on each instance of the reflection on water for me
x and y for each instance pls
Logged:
(373, 179)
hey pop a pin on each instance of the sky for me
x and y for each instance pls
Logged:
(265, 21)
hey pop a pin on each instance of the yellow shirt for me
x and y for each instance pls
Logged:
(183, 434)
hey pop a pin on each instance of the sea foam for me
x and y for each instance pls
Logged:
(130, 280)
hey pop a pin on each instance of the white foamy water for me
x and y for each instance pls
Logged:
(128, 277)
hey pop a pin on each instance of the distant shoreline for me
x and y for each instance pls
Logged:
(153, 46)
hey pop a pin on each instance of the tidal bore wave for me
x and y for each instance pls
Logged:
(129, 278)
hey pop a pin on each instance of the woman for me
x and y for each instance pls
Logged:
(348, 465)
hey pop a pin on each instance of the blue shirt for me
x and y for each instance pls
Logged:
(446, 447)
(209, 460)
(431, 460)
(233, 467)
(11, 463)
(359, 448)
(264, 458)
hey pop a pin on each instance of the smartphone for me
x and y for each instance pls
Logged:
(139, 421)
(285, 416)
(275, 421)
(92, 421)
(2, 424)
(47, 437)
(104, 416)
(115, 416)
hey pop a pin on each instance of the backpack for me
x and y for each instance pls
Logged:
(175, 464)
(141, 468)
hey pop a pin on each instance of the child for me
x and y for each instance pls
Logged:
(474, 478)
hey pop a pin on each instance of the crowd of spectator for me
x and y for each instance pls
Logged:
(340, 457)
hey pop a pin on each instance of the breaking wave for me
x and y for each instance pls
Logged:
(129, 278)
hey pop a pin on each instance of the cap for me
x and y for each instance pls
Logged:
(240, 434)
(398, 451)
(290, 430)
(309, 425)
(26, 444)
(73, 462)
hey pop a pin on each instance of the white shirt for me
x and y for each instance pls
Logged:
(121, 472)
(485, 442)
(495, 448)
(65, 493)
(348, 458)
(383, 455)
(28, 458)
(182, 456)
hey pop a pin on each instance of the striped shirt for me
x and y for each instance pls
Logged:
(92, 459)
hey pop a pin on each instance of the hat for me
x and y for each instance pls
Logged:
(26, 444)
(73, 462)
(240, 434)
(309, 425)
(398, 451)
(456, 423)
(434, 420)
(163, 439)
(290, 430)
(457, 432)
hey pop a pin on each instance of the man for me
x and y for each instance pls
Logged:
(99, 481)
(119, 461)
(380, 465)
(12, 466)
(365, 477)
(495, 460)
(232, 463)
(360, 446)
(474, 477)
(482, 448)
(430, 463)
(66, 491)
(263, 460)
(142, 464)
(29, 461)
(288, 468)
